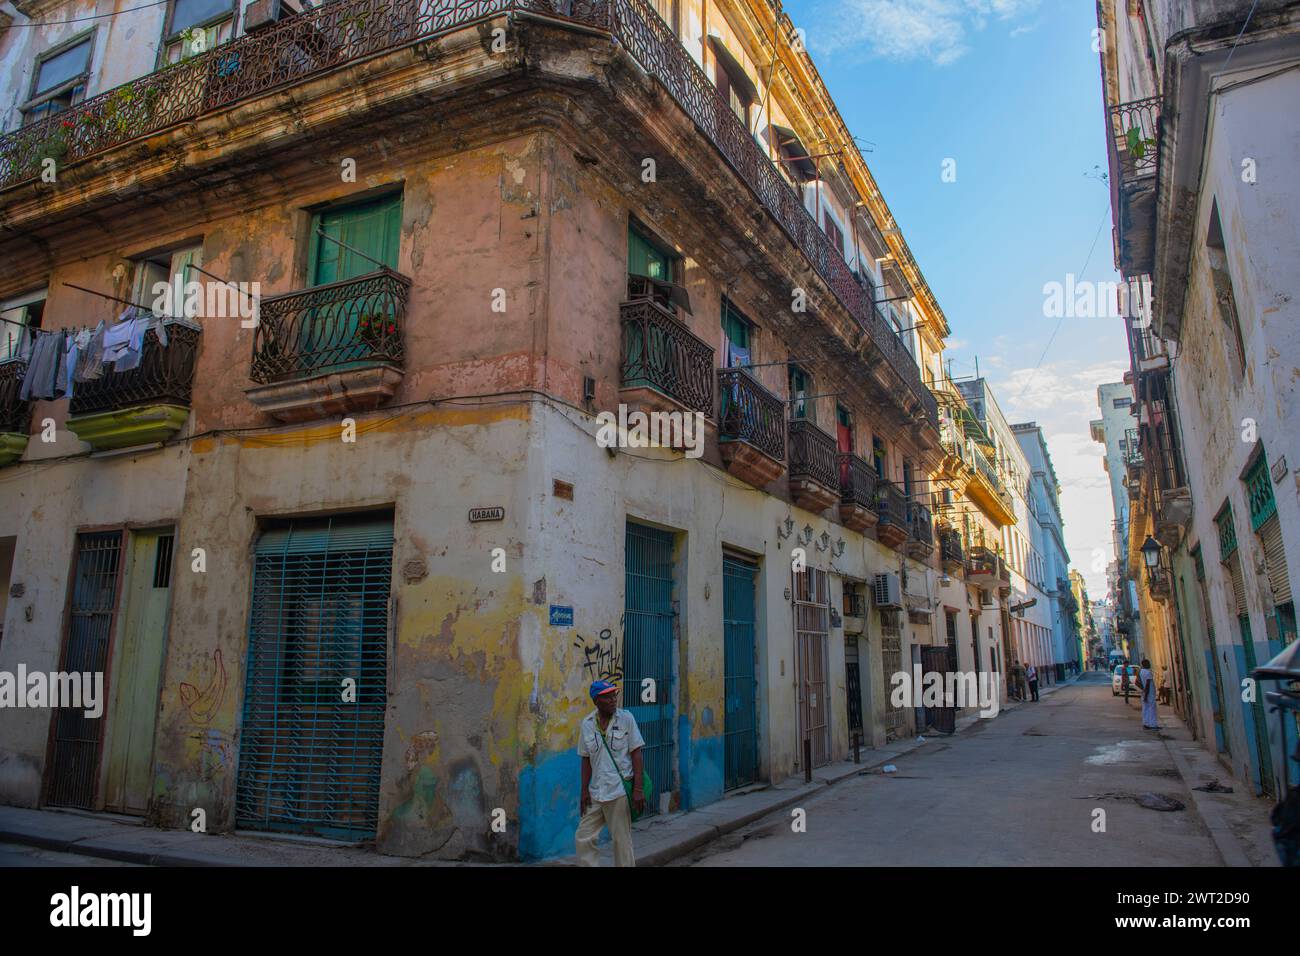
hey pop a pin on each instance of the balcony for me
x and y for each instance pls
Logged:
(956, 456)
(666, 367)
(751, 428)
(920, 526)
(987, 489)
(950, 551)
(15, 414)
(892, 527)
(857, 492)
(344, 32)
(814, 466)
(331, 349)
(1134, 134)
(982, 566)
(146, 404)
(1149, 355)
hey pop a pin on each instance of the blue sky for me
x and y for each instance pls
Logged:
(1010, 90)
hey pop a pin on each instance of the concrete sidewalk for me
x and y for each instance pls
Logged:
(658, 839)
(112, 837)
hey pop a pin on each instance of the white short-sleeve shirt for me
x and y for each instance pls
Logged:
(624, 737)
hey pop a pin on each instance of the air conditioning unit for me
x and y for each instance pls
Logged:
(262, 13)
(888, 591)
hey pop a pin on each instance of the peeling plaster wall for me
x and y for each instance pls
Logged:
(1261, 225)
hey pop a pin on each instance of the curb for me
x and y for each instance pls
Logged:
(120, 854)
(1224, 840)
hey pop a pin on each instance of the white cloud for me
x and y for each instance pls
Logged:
(1062, 398)
(934, 30)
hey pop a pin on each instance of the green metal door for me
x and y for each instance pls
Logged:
(315, 696)
(739, 678)
(137, 671)
(1263, 751)
(648, 646)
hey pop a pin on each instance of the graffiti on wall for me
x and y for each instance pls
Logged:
(602, 656)
(203, 704)
(216, 751)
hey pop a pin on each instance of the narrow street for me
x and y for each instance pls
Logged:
(1018, 790)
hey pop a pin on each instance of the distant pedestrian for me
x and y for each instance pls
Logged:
(1031, 675)
(1017, 679)
(1163, 685)
(1146, 682)
(610, 746)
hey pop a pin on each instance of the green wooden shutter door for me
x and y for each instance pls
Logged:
(309, 759)
(373, 228)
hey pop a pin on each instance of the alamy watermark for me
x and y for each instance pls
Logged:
(1084, 299)
(84, 690)
(638, 429)
(948, 689)
(218, 300)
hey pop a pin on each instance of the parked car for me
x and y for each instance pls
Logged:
(1117, 679)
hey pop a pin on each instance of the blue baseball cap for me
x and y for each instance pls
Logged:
(599, 687)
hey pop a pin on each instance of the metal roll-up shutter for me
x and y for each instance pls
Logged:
(1275, 558)
(316, 689)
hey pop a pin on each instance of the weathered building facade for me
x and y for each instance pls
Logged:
(349, 565)
(1203, 109)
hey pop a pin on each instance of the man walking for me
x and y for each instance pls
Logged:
(610, 746)
(1031, 675)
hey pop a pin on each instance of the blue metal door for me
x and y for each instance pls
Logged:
(317, 684)
(648, 647)
(739, 678)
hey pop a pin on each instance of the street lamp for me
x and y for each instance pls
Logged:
(1151, 553)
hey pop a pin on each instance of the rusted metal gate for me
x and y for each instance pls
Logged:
(853, 686)
(74, 757)
(812, 627)
(939, 660)
(891, 663)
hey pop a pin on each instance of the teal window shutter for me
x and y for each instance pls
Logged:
(644, 258)
(371, 228)
(738, 331)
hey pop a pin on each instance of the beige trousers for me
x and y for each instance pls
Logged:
(615, 815)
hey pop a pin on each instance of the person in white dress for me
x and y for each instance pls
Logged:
(1147, 683)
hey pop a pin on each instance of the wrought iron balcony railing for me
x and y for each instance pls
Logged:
(662, 353)
(950, 546)
(985, 468)
(15, 414)
(165, 376)
(981, 560)
(813, 454)
(1135, 137)
(750, 413)
(891, 504)
(920, 524)
(857, 481)
(343, 31)
(330, 327)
